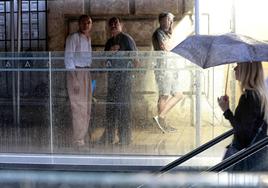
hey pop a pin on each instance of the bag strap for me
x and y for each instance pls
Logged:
(257, 134)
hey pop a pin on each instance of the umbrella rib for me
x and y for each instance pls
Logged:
(250, 52)
(205, 64)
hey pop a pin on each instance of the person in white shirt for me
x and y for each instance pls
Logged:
(77, 60)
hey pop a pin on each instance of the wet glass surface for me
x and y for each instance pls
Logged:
(37, 115)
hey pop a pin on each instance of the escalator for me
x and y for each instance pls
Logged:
(187, 157)
(49, 174)
(251, 159)
(198, 160)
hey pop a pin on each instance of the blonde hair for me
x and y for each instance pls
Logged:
(252, 78)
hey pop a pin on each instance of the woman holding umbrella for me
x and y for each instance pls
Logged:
(251, 115)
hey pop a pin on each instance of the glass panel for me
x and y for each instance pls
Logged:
(2, 43)
(42, 45)
(42, 25)
(2, 6)
(33, 5)
(34, 45)
(31, 29)
(25, 6)
(7, 6)
(2, 30)
(41, 5)
(34, 104)
(25, 26)
(25, 122)
(8, 28)
(34, 31)
(8, 45)
(26, 45)
(125, 95)
(15, 26)
(15, 6)
(34, 18)
(137, 132)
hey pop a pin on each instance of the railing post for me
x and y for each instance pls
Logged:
(197, 82)
(50, 103)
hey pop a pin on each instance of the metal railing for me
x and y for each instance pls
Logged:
(196, 151)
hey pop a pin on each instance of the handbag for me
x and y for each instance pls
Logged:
(249, 162)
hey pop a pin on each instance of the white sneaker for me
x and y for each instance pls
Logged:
(156, 119)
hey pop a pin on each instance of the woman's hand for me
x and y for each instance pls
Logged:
(223, 102)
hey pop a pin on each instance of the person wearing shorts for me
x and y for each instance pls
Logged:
(166, 75)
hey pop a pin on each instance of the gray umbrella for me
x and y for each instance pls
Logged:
(213, 50)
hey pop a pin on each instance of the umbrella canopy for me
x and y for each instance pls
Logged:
(213, 50)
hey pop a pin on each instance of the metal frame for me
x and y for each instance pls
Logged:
(16, 12)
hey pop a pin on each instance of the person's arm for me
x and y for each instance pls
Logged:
(161, 42)
(245, 118)
(131, 46)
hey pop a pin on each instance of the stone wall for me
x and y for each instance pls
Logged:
(139, 17)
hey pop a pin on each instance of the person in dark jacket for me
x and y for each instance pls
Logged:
(118, 109)
(251, 112)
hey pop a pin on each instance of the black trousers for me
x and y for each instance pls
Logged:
(118, 108)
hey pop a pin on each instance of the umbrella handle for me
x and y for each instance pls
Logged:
(226, 82)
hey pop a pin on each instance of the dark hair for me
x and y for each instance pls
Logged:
(165, 14)
(84, 17)
(114, 19)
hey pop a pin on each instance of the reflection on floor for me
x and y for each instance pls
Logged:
(147, 138)
(145, 141)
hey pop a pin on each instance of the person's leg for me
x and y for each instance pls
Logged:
(89, 103)
(162, 100)
(170, 103)
(79, 107)
(109, 132)
(124, 99)
(166, 103)
(163, 105)
(124, 126)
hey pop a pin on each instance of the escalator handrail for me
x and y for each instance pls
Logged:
(242, 154)
(196, 151)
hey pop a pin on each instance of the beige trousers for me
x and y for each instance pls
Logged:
(80, 95)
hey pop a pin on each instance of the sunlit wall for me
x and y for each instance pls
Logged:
(246, 17)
